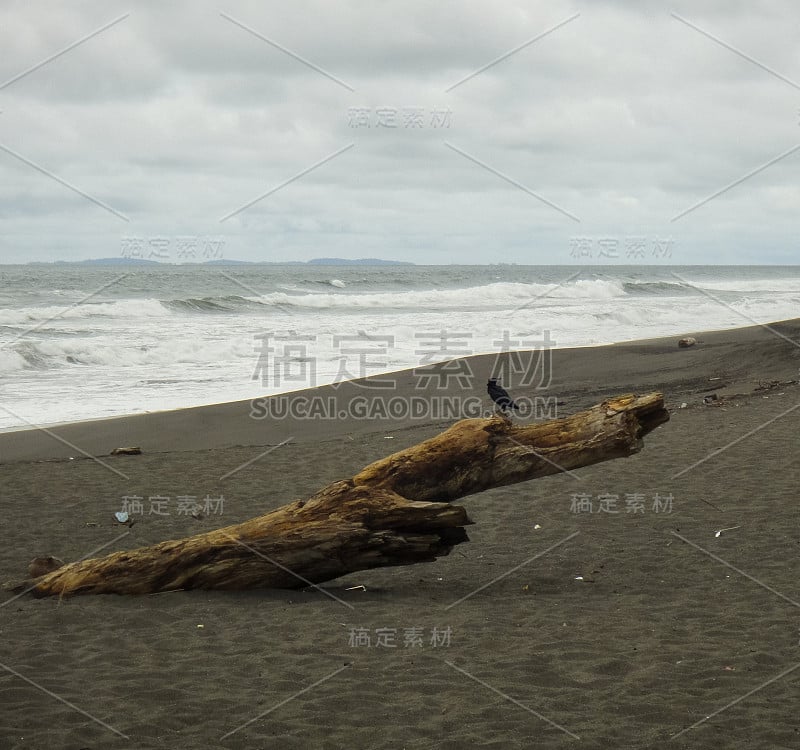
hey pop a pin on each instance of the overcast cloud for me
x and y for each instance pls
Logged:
(611, 126)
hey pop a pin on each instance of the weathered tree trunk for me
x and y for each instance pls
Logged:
(396, 511)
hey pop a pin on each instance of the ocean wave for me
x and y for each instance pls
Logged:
(229, 303)
(104, 352)
(491, 296)
(127, 308)
(779, 286)
(11, 361)
(657, 288)
(497, 295)
(692, 287)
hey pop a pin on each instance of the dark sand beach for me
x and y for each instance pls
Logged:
(551, 628)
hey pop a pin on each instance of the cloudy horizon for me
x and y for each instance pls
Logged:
(613, 132)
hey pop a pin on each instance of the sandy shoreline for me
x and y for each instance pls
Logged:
(624, 635)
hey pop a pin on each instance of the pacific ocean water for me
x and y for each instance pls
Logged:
(83, 342)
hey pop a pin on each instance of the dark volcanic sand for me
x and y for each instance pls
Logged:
(658, 635)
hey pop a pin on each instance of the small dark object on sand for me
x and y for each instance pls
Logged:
(687, 342)
(499, 395)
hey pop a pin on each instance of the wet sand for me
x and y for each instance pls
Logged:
(554, 623)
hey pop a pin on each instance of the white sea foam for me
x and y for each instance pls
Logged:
(122, 309)
(499, 295)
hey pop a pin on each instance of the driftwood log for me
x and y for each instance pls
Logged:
(396, 511)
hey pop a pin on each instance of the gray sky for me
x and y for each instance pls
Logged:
(608, 128)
